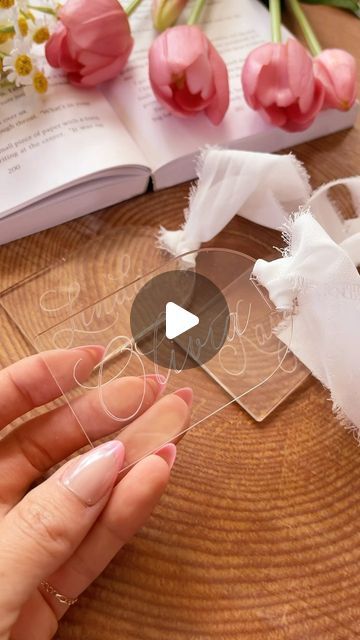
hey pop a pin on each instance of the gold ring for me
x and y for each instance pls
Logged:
(59, 596)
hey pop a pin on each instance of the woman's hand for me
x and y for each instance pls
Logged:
(65, 531)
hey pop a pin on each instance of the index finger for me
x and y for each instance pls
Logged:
(29, 383)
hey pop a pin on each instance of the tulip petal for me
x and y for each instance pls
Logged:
(336, 69)
(92, 39)
(102, 24)
(278, 79)
(102, 74)
(300, 70)
(273, 85)
(73, 11)
(188, 102)
(297, 119)
(108, 35)
(54, 46)
(199, 77)
(57, 51)
(255, 61)
(174, 51)
(275, 115)
(92, 60)
(220, 102)
(159, 70)
(184, 61)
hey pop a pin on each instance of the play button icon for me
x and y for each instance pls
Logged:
(178, 320)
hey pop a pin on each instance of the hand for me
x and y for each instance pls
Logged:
(68, 528)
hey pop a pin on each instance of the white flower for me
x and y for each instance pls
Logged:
(40, 30)
(5, 21)
(22, 5)
(5, 8)
(52, 4)
(6, 47)
(20, 24)
(19, 65)
(6, 39)
(22, 44)
(5, 16)
(35, 92)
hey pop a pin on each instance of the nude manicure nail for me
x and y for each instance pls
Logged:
(186, 394)
(96, 350)
(93, 475)
(158, 380)
(168, 453)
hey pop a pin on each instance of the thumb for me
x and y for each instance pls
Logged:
(43, 530)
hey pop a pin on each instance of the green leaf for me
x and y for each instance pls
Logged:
(350, 5)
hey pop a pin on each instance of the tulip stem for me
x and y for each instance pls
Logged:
(132, 6)
(195, 14)
(275, 13)
(305, 26)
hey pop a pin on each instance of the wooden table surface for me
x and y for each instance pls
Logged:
(258, 534)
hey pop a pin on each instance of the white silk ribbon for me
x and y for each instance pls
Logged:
(261, 187)
(319, 282)
(316, 276)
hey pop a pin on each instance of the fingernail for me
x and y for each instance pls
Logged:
(168, 453)
(158, 383)
(96, 350)
(186, 394)
(94, 474)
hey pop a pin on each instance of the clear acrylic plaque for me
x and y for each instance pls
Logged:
(80, 301)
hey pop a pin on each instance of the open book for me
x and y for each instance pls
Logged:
(89, 149)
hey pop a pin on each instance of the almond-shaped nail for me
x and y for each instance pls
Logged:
(158, 382)
(168, 453)
(94, 473)
(186, 394)
(96, 350)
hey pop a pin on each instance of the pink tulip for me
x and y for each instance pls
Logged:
(278, 80)
(187, 74)
(92, 41)
(166, 12)
(336, 69)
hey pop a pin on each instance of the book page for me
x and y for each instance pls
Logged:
(75, 135)
(235, 27)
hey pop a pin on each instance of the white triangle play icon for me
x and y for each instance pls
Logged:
(178, 320)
